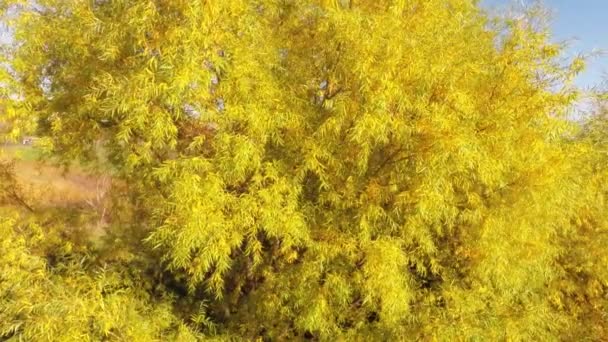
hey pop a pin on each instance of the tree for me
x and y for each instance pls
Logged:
(323, 169)
(69, 302)
(581, 288)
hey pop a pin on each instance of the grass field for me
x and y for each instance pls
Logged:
(59, 187)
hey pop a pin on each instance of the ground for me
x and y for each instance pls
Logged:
(59, 188)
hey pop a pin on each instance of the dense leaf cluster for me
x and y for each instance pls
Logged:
(350, 170)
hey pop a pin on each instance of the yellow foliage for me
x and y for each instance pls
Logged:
(336, 170)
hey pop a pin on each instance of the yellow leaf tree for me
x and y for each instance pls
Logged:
(370, 170)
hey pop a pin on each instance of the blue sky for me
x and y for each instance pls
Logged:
(584, 23)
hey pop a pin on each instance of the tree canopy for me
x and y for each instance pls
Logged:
(329, 170)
